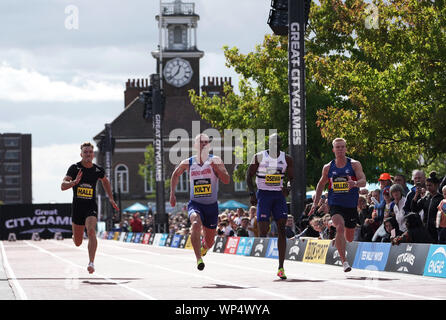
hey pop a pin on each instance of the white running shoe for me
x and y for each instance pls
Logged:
(90, 267)
(346, 266)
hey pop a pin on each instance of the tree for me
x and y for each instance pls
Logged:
(146, 171)
(388, 79)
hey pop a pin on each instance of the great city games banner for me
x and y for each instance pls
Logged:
(25, 219)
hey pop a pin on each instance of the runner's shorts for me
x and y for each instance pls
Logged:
(81, 211)
(350, 215)
(271, 202)
(208, 213)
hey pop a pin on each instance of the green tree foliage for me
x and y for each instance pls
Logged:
(380, 84)
(147, 171)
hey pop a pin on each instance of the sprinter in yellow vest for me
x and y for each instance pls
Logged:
(204, 172)
(270, 167)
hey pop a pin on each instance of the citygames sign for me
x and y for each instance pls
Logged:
(435, 262)
(408, 258)
(26, 219)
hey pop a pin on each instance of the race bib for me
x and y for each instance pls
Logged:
(340, 185)
(84, 192)
(273, 179)
(202, 188)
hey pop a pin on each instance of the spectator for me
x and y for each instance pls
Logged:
(290, 227)
(419, 179)
(375, 197)
(401, 180)
(136, 223)
(273, 230)
(253, 228)
(229, 232)
(392, 229)
(385, 181)
(330, 230)
(308, 230)
(364, 210)
(441, 221)
(428, 204)
(415, 233)
(221, 228)
(399, 200)
(370, 231)
(442, 184)
(242, 230)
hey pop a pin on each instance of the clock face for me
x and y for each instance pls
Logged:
(177, 72)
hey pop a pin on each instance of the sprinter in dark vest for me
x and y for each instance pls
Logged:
(82, 177)
(344, 177)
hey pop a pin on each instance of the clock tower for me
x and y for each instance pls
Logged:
(179, 56)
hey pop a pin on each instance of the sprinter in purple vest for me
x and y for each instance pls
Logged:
(344, 177)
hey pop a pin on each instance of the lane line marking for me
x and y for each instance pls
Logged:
(11, 276)
(102, 276)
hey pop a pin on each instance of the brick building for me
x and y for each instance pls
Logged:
(180, 63)
(15, 168)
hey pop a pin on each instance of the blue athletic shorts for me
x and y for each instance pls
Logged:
(271, 202)
(208, 213)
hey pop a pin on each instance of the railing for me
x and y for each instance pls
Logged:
(177, 9)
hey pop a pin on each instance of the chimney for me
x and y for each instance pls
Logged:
(133, 89)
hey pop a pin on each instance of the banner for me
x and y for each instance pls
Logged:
(245, 246)
(408, 258)
(372, 256)
(272, 251)
(163, 239)
(129, 237)
(188, 244)
(146, 238)
(435, 261)
(168, 240)
(334, 258)
(259, 246)
(110, 235)
(138, 237)
(231, 245)
(157, 239)
(295, 249)
(183, 241)
(26, 219)
(220, 244)
(152, 238)
(316, 251)
(176, 241)
(116, 236)
(123, 236)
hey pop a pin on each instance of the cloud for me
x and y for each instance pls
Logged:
(24, 84)
(49, 166)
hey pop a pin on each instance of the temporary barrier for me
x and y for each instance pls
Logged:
(316, 251)
(418, 259)
(334, 258)
(259, 246)
(435, 261)
(408, 258)
(231, 245)
(26, 219)
(372, 256)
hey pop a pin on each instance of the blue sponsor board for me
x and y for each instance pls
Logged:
(138, 237)
(272, 251)
(435, 261)
(245, 246)
(129, 237)
(163, 238)
(372, 255)
(176, 241)
(110, 235)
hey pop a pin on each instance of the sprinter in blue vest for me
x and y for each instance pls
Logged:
(344, 177)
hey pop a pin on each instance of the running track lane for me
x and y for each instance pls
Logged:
(52, 270)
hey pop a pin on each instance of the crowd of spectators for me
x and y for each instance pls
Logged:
(391, 213)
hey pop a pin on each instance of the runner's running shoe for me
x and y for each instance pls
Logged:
(203, 250)
(346, 266)
(200, 264)
(281, 274)
(90, 267)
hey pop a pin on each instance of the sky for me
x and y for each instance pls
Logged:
(64, 64)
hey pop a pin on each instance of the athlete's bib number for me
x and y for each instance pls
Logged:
(85, 193)
(340, 185)
(202, 188)
(273, 179)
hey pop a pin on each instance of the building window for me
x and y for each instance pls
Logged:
(12, 167)
(12, 155)
(149, 181)
(11, 141)
(178, 35)
(121, 178)
(12, 180)
(12, 194)
(240, 186)
(183, 183)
